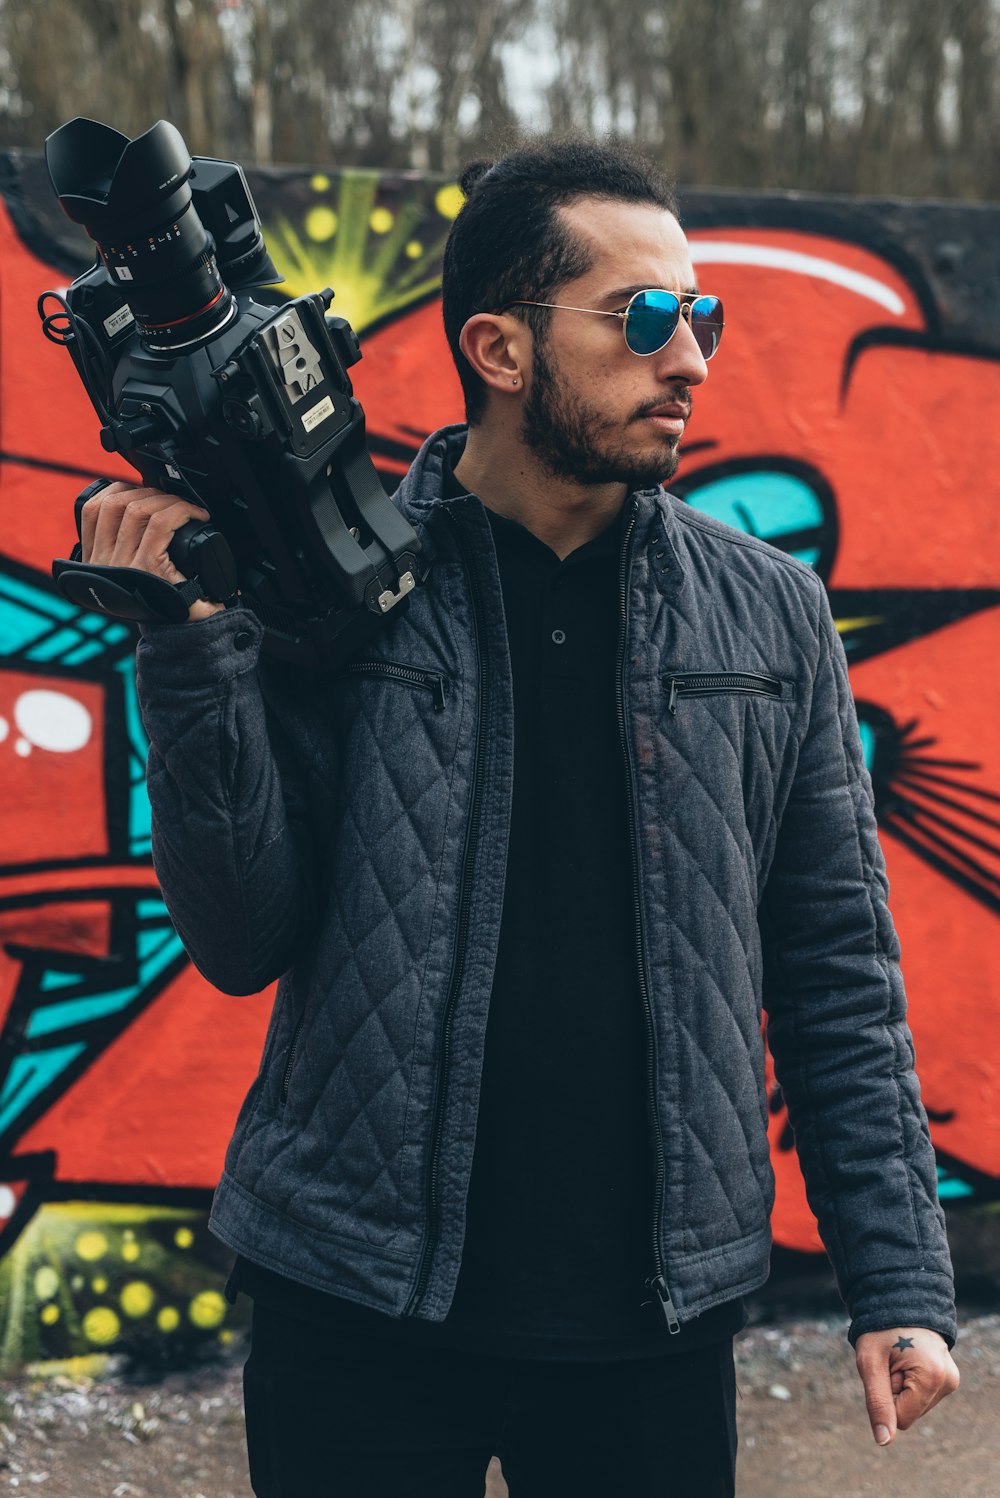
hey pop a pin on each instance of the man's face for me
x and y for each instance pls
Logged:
(594, 411)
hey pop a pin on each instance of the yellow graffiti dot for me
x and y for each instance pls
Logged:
(227, 1337)
(207, 1309)
(99, 1285)
(91, 1246)
(128, 1233)
(448, 200)
(130, 1252)
(184, 1237)
(168, 1319)
(101, 1325)
(321, 223)
(320, 183)
(50, 1315)
(137, 1298)
(380, 221)
(46, 1282)
(414, 249)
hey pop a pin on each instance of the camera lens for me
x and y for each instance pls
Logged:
(134, 199)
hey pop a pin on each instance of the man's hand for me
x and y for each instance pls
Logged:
(905, 1372)
(123, 526)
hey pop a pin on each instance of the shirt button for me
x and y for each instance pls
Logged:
(558, 637)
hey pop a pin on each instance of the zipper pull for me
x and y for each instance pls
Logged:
(675, 682)
(659, 1284)
(439, 690)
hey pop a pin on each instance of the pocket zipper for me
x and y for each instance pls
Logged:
(707, 683)
(429, 681)
(290, 1061)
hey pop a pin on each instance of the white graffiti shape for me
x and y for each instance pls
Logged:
(732, 252)
(53, 721)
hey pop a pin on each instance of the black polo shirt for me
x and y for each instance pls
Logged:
(559, 1238)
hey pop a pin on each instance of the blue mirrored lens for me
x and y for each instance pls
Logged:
(652, 320)
(706, 323)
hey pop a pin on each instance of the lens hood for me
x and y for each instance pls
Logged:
(103, 180)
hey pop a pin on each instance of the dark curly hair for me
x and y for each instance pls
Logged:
(508, 241)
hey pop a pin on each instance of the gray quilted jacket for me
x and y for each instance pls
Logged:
(349, 835)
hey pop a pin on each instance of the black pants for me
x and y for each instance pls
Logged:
(340, 1416)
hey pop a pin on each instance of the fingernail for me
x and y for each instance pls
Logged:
(882, 1435)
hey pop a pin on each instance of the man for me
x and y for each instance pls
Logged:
(502, 1179)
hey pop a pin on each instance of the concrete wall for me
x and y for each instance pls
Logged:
(850, 419)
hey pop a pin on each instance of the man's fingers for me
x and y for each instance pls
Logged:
(145, 533)
(122, 526)
(99, 509)
(922, 1388)
(878, 1399)
(905, 1373)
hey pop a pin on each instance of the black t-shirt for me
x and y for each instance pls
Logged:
(559, 1236)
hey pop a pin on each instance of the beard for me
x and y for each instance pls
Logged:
(576, 441)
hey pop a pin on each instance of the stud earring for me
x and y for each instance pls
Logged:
(514, 380)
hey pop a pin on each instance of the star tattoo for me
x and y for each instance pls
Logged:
(902, 1344)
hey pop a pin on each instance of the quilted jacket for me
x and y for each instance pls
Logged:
(348, 834)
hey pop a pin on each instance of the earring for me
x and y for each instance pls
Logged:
(514, 380)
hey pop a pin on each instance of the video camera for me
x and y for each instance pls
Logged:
(245, 409)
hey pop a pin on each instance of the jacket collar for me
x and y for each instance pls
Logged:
(420, 497)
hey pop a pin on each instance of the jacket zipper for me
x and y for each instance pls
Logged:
(658, 1283)
(461, 936)
(286, 1076)
(705, 683)
(430, 681)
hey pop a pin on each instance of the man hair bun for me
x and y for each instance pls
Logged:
(473, 173)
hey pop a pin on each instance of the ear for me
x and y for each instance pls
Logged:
(499, 349)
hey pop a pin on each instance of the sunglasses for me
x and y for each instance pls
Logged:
(650, 320)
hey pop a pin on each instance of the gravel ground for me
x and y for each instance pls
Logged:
(803, 1428)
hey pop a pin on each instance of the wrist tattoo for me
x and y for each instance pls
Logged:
(902, 1344)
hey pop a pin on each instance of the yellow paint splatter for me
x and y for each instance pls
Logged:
(207, 1309)
(50, 1314)
(414, 249)
(448, 200)
(380, 221)
(168, 1318)
(46, 1282)
(130, 1252)
(99, 1285)
(321, 223)
(184, 1237)
(101, 1325)
(863, 622)
(92, 1245)
(320, 183)
(137, 1298)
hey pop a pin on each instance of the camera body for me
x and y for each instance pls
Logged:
(244, 408)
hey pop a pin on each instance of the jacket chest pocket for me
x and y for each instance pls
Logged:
(725, 683)
(404, 676)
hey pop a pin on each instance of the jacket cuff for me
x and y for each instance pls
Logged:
(224, 645)
(930, 1305)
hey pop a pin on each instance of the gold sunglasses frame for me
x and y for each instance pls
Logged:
(685, 298)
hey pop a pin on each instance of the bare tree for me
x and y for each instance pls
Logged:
(879, 96)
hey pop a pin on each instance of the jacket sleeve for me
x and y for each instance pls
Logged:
(837, 1029)
(230, 823)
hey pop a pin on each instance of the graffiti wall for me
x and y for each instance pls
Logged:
(849, 421)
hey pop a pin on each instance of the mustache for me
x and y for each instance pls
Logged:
(680, 397)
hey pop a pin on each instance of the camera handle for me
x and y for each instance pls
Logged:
(197, 549)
